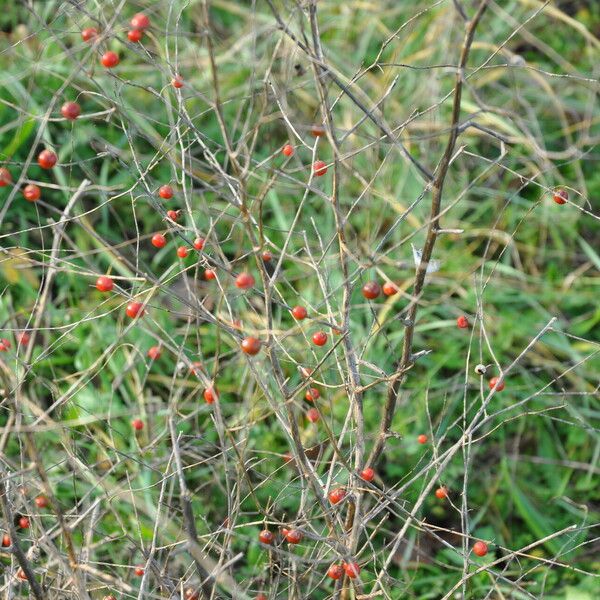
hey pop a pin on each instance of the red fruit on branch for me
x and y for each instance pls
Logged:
(312, 414)
(199, 243)
(5, 177)
(335, 571)
(165, 192)
(154, 352)
(319, 338)
(367, 474)
(371, 290)
(462, 322)
(389, 288)
(140, 21)
(137, 424)
(312, 394)
(47, 159)
(293, 536)
(299, 313)
(422, 439)
(287, 150)
(251, 345)
(104, 284)
(89, 33)
(337, 495)
(560, 196)
(266, 536)
(480, 548)
(182, 251)
(70, 110)
(244, 281)
(32, 193)
(319, 168)
(177, 82)
(441, 493)
(352, 569)
(135, 35)
(210, 395)
(496, 382)
(110, 59)
(135, 309)
(158, 240)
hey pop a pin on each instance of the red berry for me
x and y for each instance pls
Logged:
(287, 150)
(154, 352)
(135, 309)
(337, 495)
(293, 536)
(21, 574)
(244, 281)
(5, 177)
(319, 338)
(210, 395)
(299, 313)
(441, 492)
(496, 382)
(199, 243)
(266, 537)
(367, 474)
(182, 251)
(177, 81)
(312, 394)
(104, 284)
(139, 570)
(4, 345)
(140, 21)
(287, 458)
(159, 240)
(251, 345)
(165, 191)
(110, 59)
(267, 256)
(135, 35)
(209, 274)
(173, 214)
(422, 439)
(70, 110)
(196, 367)
(23, 338)
(462, 322)
(5, 540)
(312, 414)
(560, 196)
(371, 290)
(32, 193)
(261, 596)
(47, 159)
(389, 288)
(480, 548)
(317, 130)
(352, 570)
(24, 523)
(335, 571)
(89, 33)
(137, 424)
(319, 168)
(306, 372)
(41, 502)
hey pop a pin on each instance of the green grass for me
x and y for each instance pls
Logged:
(516, 259)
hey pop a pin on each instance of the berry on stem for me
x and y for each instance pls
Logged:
(422, 438)
(441, 492)
(266, 536)
(319, 338)
(266, 256)
(251, 345)
(41, 501)
(32, 193)
(371, 290)
(312, 394)
(154, 352)
(137, 424)
(5, 177)
(182, 251)
(299, 313)
(390, 288)
(89, 33)
(337, 495)
(496, 382)
(165, 191)
(5, 540)
(480, 548)
(244, 281)
(110, 59)
(462, 322)
(312, 414)
(209, 274)
(287, 150)
(560, 196)
(139, 570)
(135, 35)
(47, 159)
(4, 345)
(70, 110)
(140, 21)
(367, 474)
(24, 523)
(352, 569)
(199, 243)
(135, 309)
(177, 81)
(173, 214)
(158, 240)
(22, 338)
(319, 168)
(293, 536)
(317, 131)
(335, 571)
(104, 284)
(210, 395)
